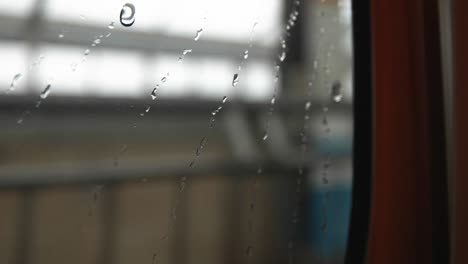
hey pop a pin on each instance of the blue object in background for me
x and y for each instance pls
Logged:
(334, 204)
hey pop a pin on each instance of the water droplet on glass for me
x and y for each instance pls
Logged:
(97, 41)
(22, 117)
(198, 34)
(276, 78)
(224, 99)
(108, 35)
(336, 93)
(283, 44)
(324, 180)
(82, 17)
(60, 36)
(265, 136)
(73, 66)
(86, 52)
(38, 104)
(147, 109)
(164, 79)
(235, 79)
(153, 93)
(273, 100)
(246, 54)
(203, 141)
(15, 80)
(293, 16)
(184, 52)
(45, 92)
(307, 106)
(212, 122)
(324, 121)
(248, 251)
(282, 56)
(277, 67)
(111, 25)
(181, 186)
(127, 15)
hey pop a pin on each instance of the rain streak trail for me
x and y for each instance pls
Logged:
(48, 88)
(203, 141)
(165, 78)
(215, 112)
(293, 15)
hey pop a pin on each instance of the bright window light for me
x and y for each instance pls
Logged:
(259, 81)
(57, 70)
(101, 73)
(225, 20)
(205, 77)
(13, 62)
(114, 74)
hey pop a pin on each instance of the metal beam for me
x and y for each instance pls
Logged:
(14, 28)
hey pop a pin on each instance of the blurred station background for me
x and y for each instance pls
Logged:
(87, 175)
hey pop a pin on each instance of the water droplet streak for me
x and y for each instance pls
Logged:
(127, 15)
(153, 92)
(336, 92)
(14, 82)
(235, 79)
(45, 93)
(164, 79)
(19, 76)
(198, 34)
(282, 56)
(277, 67)
(122, 149)
(249, 251)
(184, 52)
(22, 117)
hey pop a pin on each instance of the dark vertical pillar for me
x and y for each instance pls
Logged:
(460, 185)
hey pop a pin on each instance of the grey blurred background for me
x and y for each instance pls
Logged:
(87, 175)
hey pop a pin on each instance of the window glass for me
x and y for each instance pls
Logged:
(206, 132)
